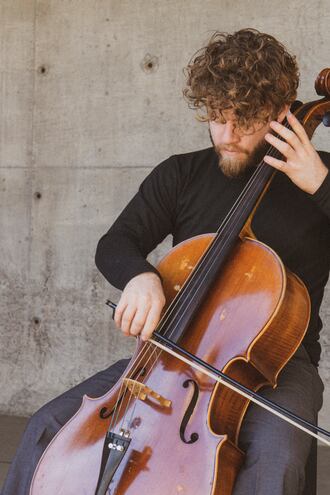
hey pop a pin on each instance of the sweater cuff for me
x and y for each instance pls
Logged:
(119, 278)
(322, 195)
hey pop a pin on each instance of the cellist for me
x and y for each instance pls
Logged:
(244, 83)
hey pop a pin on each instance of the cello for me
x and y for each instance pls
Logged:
(166, 415)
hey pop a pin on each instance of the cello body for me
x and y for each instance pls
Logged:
(184, 428)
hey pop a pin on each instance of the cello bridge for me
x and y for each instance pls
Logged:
(141, 391)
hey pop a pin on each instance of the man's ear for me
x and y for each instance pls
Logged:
(283, 113)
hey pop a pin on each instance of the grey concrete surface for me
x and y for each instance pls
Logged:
(83, 119)
(12, 427)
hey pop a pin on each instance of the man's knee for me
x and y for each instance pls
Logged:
(289, 447)
(273, 470)
(43, 420)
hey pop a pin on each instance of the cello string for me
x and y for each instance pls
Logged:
(138, 384)
(155, 356)
(148, 346)
(141, 357)
(120, 399)
(129, 402)
(249, 186)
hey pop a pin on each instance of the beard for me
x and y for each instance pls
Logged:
(235, 167)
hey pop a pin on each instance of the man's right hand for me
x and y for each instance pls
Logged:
(139, 309)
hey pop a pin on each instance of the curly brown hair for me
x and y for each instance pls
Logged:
(249, 72)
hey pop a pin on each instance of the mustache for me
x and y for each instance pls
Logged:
(256, 154)
(220, 149)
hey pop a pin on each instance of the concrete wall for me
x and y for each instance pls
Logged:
(84, 117)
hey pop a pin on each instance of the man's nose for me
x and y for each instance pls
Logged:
(230, 134)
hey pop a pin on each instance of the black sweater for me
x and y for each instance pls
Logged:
(187, 195)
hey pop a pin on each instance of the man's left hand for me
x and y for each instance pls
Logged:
(303, 164)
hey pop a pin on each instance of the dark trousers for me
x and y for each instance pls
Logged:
(276, 452)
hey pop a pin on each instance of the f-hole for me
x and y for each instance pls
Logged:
(194, 436)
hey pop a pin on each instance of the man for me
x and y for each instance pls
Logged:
(244, 83)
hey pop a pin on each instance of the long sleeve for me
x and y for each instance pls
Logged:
(322, 195)
(147, 219)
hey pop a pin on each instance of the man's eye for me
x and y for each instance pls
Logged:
(218, 121)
